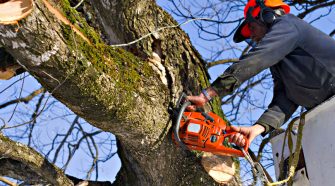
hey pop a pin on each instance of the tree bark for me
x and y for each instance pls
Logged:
(126, 92)
(32, 160)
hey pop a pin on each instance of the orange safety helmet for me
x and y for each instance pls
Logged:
(243, 31)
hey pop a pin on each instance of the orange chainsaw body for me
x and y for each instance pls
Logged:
(198, 132)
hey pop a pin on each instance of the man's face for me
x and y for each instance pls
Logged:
(258, 30)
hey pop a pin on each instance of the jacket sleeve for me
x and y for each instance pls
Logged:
(280, 109)
(280, 40)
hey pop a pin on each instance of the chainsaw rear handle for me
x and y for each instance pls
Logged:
(177, 125)
(229, 133)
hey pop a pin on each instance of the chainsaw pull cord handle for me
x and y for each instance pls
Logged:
(177, 125)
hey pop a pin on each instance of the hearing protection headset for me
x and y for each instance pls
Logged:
(266, 15)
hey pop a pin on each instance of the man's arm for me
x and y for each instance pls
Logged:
(280, 109)
(278, 112)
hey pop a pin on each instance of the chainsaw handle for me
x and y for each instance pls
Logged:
(207, 117)
(177, 125)
(230, 132)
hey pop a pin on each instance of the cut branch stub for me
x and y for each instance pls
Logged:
(220, 168)
(12, 11)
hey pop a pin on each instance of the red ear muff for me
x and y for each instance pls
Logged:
(260, 10)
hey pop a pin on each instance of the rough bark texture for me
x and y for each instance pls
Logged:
(33, 161)
(20, 171)
(126, 92)
(17, 170)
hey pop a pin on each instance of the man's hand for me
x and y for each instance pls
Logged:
(201, 99)
(197, 101)
(249, 132)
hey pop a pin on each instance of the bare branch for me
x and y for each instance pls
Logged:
(267, 140)
(332, 33)
(25, 99)
(75, 121)
(321, 5)
(34, 117)
(220, 62)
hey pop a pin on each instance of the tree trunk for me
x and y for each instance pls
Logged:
(126, 92)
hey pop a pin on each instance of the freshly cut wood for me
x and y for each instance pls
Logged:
(14, 10)
(220, 168)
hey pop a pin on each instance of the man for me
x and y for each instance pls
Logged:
(300, 57)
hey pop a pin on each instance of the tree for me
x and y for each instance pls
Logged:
(123, 91)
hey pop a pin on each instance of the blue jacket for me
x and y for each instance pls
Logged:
(302, 62)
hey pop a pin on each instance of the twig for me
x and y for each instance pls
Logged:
(4, 124)
(220, 62)
(25, 99)
(13, 84)
(34, 117)
(75, 121)
(6, 181)
(76, 147)
(332, 33)
(17, 102)
(321, 5)
(95, 159)
(267, 140)
(75, 7)
(158, 30)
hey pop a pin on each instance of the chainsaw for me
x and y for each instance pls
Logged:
(203, 131)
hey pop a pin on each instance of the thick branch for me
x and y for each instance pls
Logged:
(32, 159)
(19, 171)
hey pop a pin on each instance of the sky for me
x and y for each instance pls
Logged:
(51, 124)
